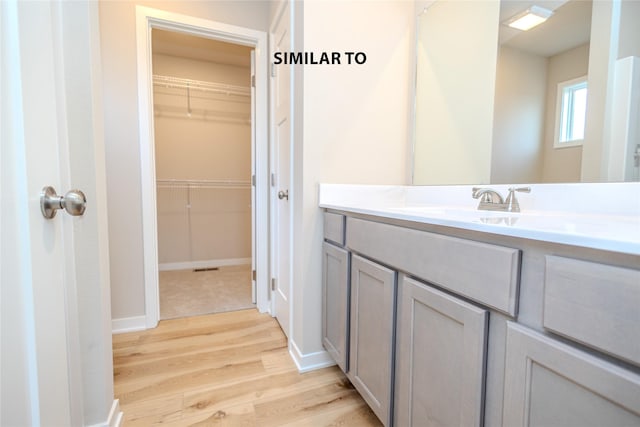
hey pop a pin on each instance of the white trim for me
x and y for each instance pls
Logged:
(559, 97)
(292, 186)
(128, 324)
(311, 361)
(569, 144)
(147, 168)
(62, 76)
(625, 131)
(273, 170)
(146, 19)
(211, 263)
(115, 416)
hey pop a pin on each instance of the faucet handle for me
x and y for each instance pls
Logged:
(512, 202)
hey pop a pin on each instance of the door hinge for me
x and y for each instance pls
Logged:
(253, 180)
(253, 275)
(273, 69)
(253, 80)
(273, 284)
(273, 179)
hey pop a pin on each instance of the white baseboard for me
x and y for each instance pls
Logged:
(211, 263)
(115, 416)
(128, 324)
(310, 361)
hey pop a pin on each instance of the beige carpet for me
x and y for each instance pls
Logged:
(185, 293)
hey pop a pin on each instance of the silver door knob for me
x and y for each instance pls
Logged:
(283, 194)
(74, 202)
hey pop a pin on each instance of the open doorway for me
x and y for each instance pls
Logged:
(203, 151)
(148, 21)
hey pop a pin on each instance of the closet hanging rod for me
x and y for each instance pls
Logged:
(199, 85)
(209, 183)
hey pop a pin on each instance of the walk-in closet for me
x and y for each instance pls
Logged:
(202, 126)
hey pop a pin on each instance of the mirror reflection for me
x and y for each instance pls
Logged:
(496, 104)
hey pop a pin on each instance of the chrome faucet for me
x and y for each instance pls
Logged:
(491, 200)
(487, 195)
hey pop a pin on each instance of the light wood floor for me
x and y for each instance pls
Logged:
(227, 369)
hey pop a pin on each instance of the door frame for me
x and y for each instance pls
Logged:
(146, 20)
(283, 7)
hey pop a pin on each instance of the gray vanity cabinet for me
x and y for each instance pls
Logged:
(442, 327)
(550, 383)
(440, 358)
(373, 290)
(335, 303)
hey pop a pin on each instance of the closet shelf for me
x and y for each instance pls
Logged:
(203, 86)
(190, 183)
(205, 114)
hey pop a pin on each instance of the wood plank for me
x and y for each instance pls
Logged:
(237, 416)
(199, 342)
(294, 408)
(227, 369)
(161, 410)
(195, 361)
(360, 416)
(258, 390)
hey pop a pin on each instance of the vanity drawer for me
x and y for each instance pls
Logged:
(485, 273)
(595, 304)
(334, 227)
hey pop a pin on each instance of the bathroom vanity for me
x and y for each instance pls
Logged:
(441, 314)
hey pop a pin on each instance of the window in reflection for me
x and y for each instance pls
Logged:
(570, 123)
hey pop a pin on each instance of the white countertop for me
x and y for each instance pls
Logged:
(599, 216)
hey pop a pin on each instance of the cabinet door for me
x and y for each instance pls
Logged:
(440, 358)
(549, 383)
(335, 303)
(372, 326)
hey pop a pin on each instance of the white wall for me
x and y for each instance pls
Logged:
(118, 43)
(614, 35)
(521, 86)
(625, 127)
(629, 44)
(351, 126)
(562, 164)
(355, 127)
(213, 144)
(605, 27)
(454, 107)
(625, 98)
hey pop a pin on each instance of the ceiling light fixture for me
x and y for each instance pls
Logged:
(528, 19)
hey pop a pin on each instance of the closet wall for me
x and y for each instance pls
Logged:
(203, 151)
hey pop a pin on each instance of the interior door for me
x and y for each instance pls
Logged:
(42, 357)
(281, 188)
(34, 319)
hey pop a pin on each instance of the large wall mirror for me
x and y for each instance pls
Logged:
(556, 103)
